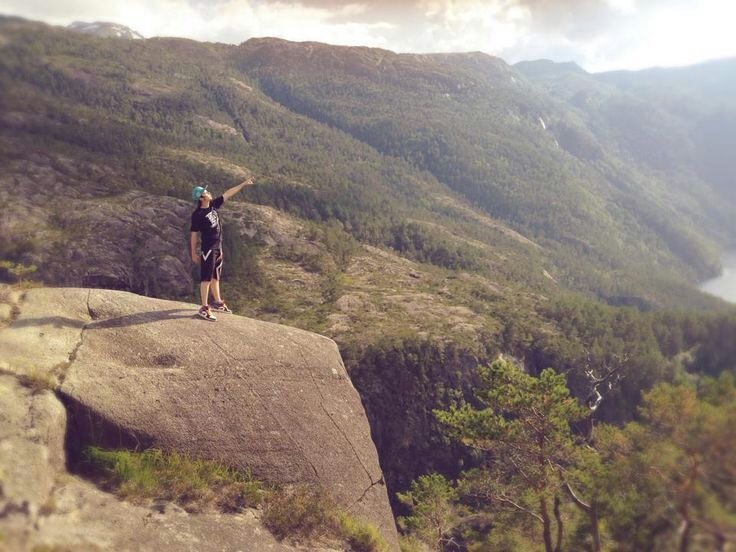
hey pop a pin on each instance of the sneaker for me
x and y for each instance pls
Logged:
(220, 307)
(204, 312)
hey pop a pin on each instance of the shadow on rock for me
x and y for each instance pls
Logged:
(117, 322)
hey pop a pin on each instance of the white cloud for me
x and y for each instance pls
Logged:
(598, 34)
(228, 21)
(626, 6)
(477, 25)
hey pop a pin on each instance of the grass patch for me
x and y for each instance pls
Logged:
(176, 477)
(307, 514)
(300, 513)
(38, 380)
(361, 536)
(411, 544)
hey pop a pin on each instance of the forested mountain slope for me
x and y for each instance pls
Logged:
(676, 124)
(521, 155)
(388, 138)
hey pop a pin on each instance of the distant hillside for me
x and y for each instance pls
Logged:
(522, 155)
(676, 121)
(388, 138)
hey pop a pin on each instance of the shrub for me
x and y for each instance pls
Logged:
(362, 537)
(301, 513)
(16, 271)
(434, 512)
(411, 544)
(305, 513)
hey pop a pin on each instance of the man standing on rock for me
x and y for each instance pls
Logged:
(206, 222)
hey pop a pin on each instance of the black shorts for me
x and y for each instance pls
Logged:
(210, 265)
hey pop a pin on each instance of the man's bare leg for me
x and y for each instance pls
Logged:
(215, 285)
(204, 292)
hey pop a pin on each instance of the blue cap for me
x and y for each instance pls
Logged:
(197, 192)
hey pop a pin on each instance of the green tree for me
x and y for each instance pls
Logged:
(674, 470)
(434, 512)
(17, 270)
(523, 428)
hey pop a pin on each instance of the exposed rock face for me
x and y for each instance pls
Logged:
(31, 447)
(140, 371)
(105, 29)
(130, 243)
(133, 241)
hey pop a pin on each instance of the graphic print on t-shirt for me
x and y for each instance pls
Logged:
(207, 222)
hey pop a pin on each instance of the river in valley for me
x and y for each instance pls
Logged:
(724, 286)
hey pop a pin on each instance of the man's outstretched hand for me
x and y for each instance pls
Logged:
(235, 189)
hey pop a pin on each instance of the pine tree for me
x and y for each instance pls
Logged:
(524, 430)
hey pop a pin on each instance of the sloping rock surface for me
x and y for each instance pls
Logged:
(136, 371)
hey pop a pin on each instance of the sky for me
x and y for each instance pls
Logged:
(599, 35)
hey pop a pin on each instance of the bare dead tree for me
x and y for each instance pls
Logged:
(601, 383)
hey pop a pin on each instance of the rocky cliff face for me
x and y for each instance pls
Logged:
(134, 371)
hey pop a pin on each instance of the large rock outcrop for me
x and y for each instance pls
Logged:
(42, 507)
(135, 371)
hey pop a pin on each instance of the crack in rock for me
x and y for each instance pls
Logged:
(339, 429)
(63, 368)
(373, 484)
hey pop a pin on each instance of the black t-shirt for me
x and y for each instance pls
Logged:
(207, 223)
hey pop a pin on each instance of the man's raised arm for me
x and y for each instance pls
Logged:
(235, 189)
